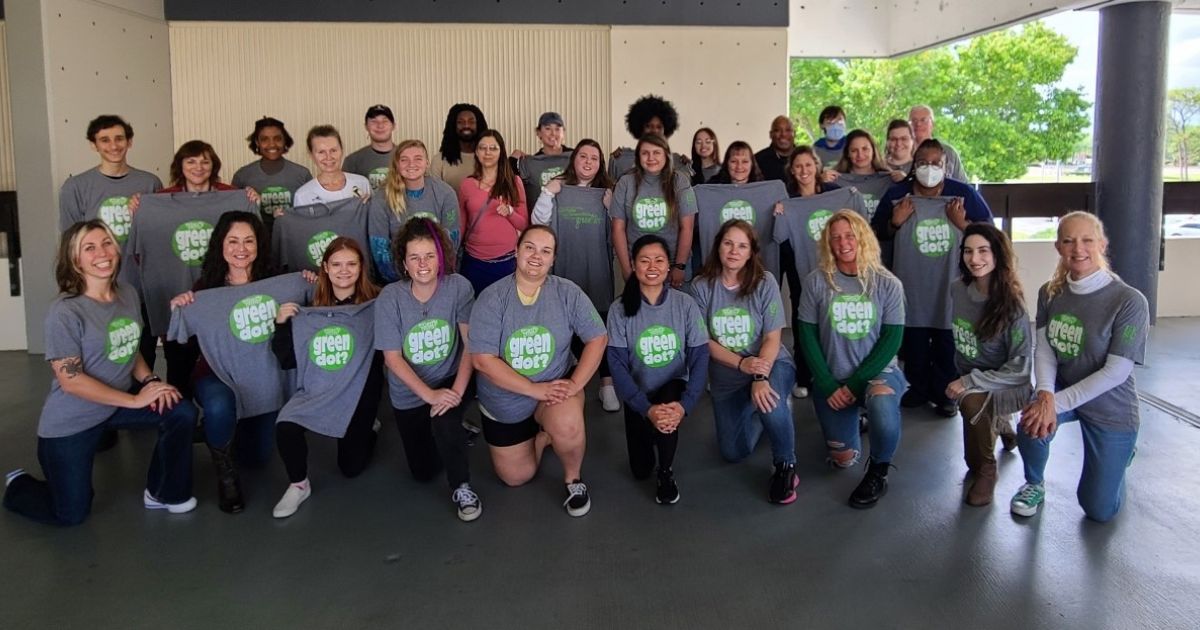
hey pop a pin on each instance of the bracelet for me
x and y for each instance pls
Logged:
(150, 379)
(739, 365)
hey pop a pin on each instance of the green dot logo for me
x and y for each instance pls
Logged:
(1018, 336)
(870, 202)
(317, 245)
(114, 211)
(852, 316)
(429, 342)
(190, 242)
(657, 346)
(551, 173)
(332, 348)
(732, 328)
(252, 319)
(274, 199)
(738, 209)
(377, 177)
(529, 350)
(965, 341)
(122, 342)
(1066, 335)
(650, 214)
(576, 218)
(934, 237)
(816, 223)
(1128, 333)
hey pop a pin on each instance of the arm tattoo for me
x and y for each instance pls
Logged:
(70, 366)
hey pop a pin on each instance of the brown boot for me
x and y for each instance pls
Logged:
(983, 488)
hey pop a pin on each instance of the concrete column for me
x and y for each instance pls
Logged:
(1131, 92)
(70, 61)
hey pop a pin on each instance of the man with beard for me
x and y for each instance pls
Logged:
(464, 123)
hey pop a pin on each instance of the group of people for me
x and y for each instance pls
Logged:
(284, 302)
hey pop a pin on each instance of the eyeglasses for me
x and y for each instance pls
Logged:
(488, 148)
(708, 142)
(920, 163)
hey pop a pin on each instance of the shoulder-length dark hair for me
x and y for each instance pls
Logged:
(506, 180)
(66, 268)
(263, 123)
(666, 176)
(844, 164)
(571, 177)
(631, 295)
(214, 268)
(364, 289)
(450, 149)
(418, 228)
(191, 149)
(698, 162)
(723, 176)
(753, 273)
(793, 186)
(1006, 298)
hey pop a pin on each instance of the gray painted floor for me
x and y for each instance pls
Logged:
(382, 550)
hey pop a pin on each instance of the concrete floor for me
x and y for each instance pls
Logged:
(382, 550)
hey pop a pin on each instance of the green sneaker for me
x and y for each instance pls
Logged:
(1028, 499)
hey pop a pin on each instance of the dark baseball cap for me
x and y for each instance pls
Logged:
(551, 118)
(380, 110)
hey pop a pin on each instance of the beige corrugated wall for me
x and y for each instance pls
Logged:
(227, 75)
(8, 173)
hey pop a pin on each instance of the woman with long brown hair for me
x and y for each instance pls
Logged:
(491, 204)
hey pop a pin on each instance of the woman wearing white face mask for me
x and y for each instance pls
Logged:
(923, 218)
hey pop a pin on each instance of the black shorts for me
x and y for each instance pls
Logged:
(505, 434)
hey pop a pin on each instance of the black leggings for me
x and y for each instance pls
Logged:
(787, 262)
(430, 443)
(643, 438)
(354, 448)
(577, 350)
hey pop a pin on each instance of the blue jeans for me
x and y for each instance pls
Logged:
(740, 424)
(256, 433)
(483, 273)
(840, 428)
(65, 497)
(1106, 454)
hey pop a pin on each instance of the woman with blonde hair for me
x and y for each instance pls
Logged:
(408, 192)
(1091, 330)
(851, 324)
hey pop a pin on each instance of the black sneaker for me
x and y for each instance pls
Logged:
(948, 409)
(783, 484)
(912, 399)
(668, 492)
(578, 502)
(872, 487)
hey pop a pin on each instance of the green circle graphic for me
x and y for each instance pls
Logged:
(429, 342)
(529, 350)
(122, 340)
(657, 346)
(190, 242)
(332, 348)
(252, 319)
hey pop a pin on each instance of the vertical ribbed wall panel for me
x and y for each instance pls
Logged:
(8, 172)
(227, 75)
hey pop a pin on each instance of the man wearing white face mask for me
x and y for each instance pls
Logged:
(921, 119)
(922, 219)
(829, 148)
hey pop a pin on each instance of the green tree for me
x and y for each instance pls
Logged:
(994, 97)
(1183, 107)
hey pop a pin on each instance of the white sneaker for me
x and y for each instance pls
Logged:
(608, 398)
(151, 503)
(296, 494)
(799, 392)
(469, 507)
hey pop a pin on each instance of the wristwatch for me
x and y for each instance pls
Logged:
(679, 266)
(758, 377)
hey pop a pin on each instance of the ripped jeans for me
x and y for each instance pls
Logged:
(840, 428)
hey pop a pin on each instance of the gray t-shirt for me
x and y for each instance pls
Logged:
(334, 348)
(92, 194)
(926, 261)
(105, 337)
(849, 319)
(536, 170)
(618, 167)
(804, 219)
(426, 333)
(645, 211)
(658, 338)
(1083, 330)
(274, 190)
(738, 324)
(234, 327)
(436, 201)
(973, 353)
(535, 340)
(370, 164)
(954, 166)
(829, 157)
(871, 187)
(753, 203)
(169, 239)
(303, 232)
(584, 254)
